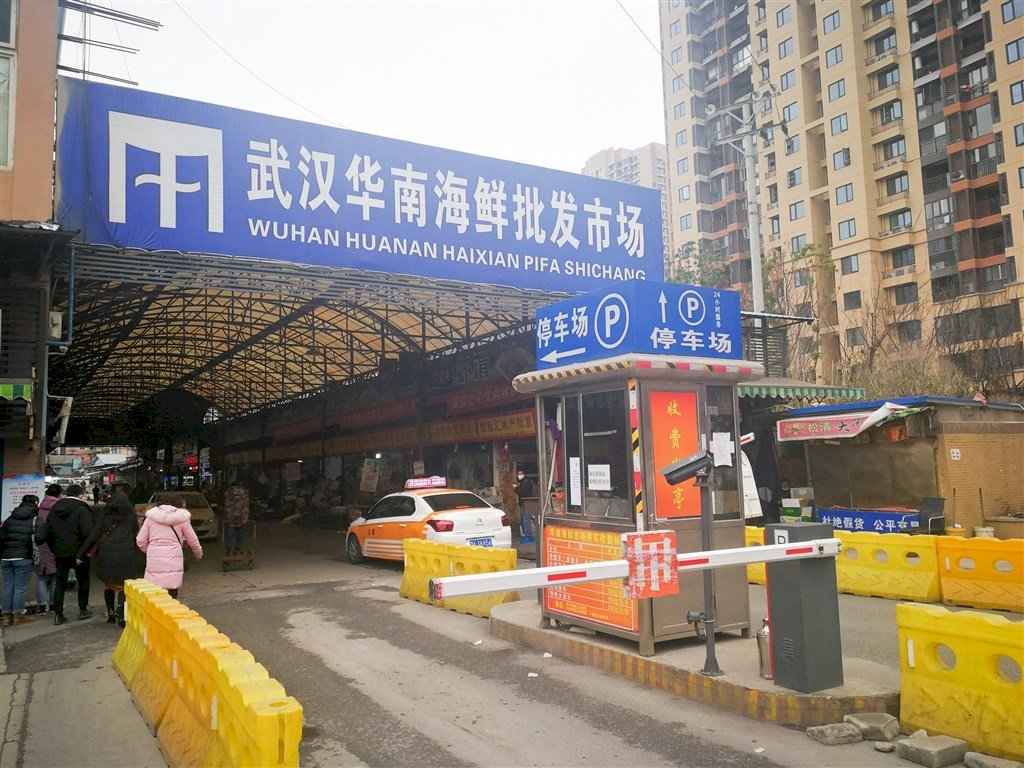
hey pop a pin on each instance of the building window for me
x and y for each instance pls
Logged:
(855, 337)
(673, 4)
(831, 23)
(895, 148)
(785, 47)
(673, 28)
(909, 330)
(1020, 177)
(903, 257)
(1015, 50)
(800, 278)
(851, 300)
(847, 229)
(796, 210)
(833, 56)
(685, 221)
(884, 8)
(1017, 92)
(7, 25)
(6, 107)
(776, 227)
(790, 112)
(837, 90)
(677, 55)
(677, 83)
(795, 177)
(684, 193)
(841, 159)
(849, 264)
(888, 77)
(784, 16)
(773, 193)
(681, 138)
(938, 213)
(900, 220)
(1014, 9)
(798, 243)
(905, 294)
(788, 80)
(896, 184)
(682, 165)
(1018, 134)
(680, 110)
(840, 124)
(844, 194)
(891, 111)
(885, 43)
(792, 145)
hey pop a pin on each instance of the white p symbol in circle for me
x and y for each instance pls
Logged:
(692, 308)
(612, 321)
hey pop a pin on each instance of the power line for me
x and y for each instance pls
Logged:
(653, 45)
(231, 56)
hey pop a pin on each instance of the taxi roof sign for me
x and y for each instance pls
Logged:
(426, 482)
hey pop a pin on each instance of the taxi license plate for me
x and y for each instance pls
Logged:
(488, 542)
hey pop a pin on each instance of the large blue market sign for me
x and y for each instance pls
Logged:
(143, 170)
(640, 317)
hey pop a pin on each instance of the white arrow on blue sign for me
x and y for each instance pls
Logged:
(640, 317)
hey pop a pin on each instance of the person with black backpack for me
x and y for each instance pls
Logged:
(16, 556)
(65, 530)
(118, 557)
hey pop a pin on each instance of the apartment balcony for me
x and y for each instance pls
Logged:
(871, 23)
(923, 34)
(966, 10)
(894, 232)
(935, 184)
(893, 162)
(972, 48)
(760, 21)
(985, 208)
(933, 146)
(939, 222)
(929, 109)
(772, 206)
(774, 237)
(987, 248)
(899, 276)
(984, 168)
(893, 198)
(941, 261)
(878, 58)
(898, 123)
(769, 174)
(929, 68)
(872, 95)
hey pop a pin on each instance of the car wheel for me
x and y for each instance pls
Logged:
(353, 551)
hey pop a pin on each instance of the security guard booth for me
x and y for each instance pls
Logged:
(627, 405)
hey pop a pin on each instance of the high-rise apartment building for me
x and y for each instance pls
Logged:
(890, 175)
(644, 166)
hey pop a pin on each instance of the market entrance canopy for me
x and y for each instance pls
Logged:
(143, 170)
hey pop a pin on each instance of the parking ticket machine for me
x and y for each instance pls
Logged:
(630, 379)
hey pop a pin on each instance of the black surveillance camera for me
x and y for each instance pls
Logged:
(685, 469)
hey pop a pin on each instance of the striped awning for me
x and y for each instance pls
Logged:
(800, 391)
(16, 391)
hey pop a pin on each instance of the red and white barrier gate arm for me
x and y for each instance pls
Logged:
(541, 578)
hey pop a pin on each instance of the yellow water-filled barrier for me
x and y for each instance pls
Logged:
(754, 537)
(426, 560)
(423, 561)
(982, 573)
(207, 700)
(961, 676)
(892, 565)
(467, 560)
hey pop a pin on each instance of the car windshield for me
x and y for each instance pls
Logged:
(443, 502)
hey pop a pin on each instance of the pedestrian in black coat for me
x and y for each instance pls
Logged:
(66, 529)
(16, 559)
(117, 554)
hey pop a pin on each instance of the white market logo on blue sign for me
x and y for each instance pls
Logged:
(143, 170)
(641, 317)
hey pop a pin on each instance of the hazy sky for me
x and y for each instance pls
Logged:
(547, 82)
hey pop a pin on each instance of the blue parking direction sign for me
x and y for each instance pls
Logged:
(641, 317)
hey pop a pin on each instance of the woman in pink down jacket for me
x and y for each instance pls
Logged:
(162, 537)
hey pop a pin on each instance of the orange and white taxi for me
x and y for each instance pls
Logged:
(426, 509)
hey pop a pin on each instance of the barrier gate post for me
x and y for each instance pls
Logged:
(803, 612)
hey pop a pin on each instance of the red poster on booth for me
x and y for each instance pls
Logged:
(673, 437)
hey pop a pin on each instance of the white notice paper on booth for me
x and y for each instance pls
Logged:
(575, 491)
(599, 477)
(722, 448)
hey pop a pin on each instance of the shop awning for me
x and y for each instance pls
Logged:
(796, 389)
(832, 426)
(16, 390)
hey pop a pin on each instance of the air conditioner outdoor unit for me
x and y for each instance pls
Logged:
(957, 175)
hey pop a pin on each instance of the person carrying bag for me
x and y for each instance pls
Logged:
(163, 537)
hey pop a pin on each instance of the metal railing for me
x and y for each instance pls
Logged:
(988, 248)
(942, 260)
(984, 168)
(893, 197)
(894, 231)
(872, 22)
(921, 34)
(926, 70)
(878, 57)
(971, 49)
(935, 183)
(929, 109)
(892, 162)
(991, 207)
(939, 222)
(884, 89)
(931, 146)
(897, 123)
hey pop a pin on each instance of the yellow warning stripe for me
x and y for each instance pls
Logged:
(589, 370)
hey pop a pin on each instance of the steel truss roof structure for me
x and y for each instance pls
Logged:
(244, 333)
